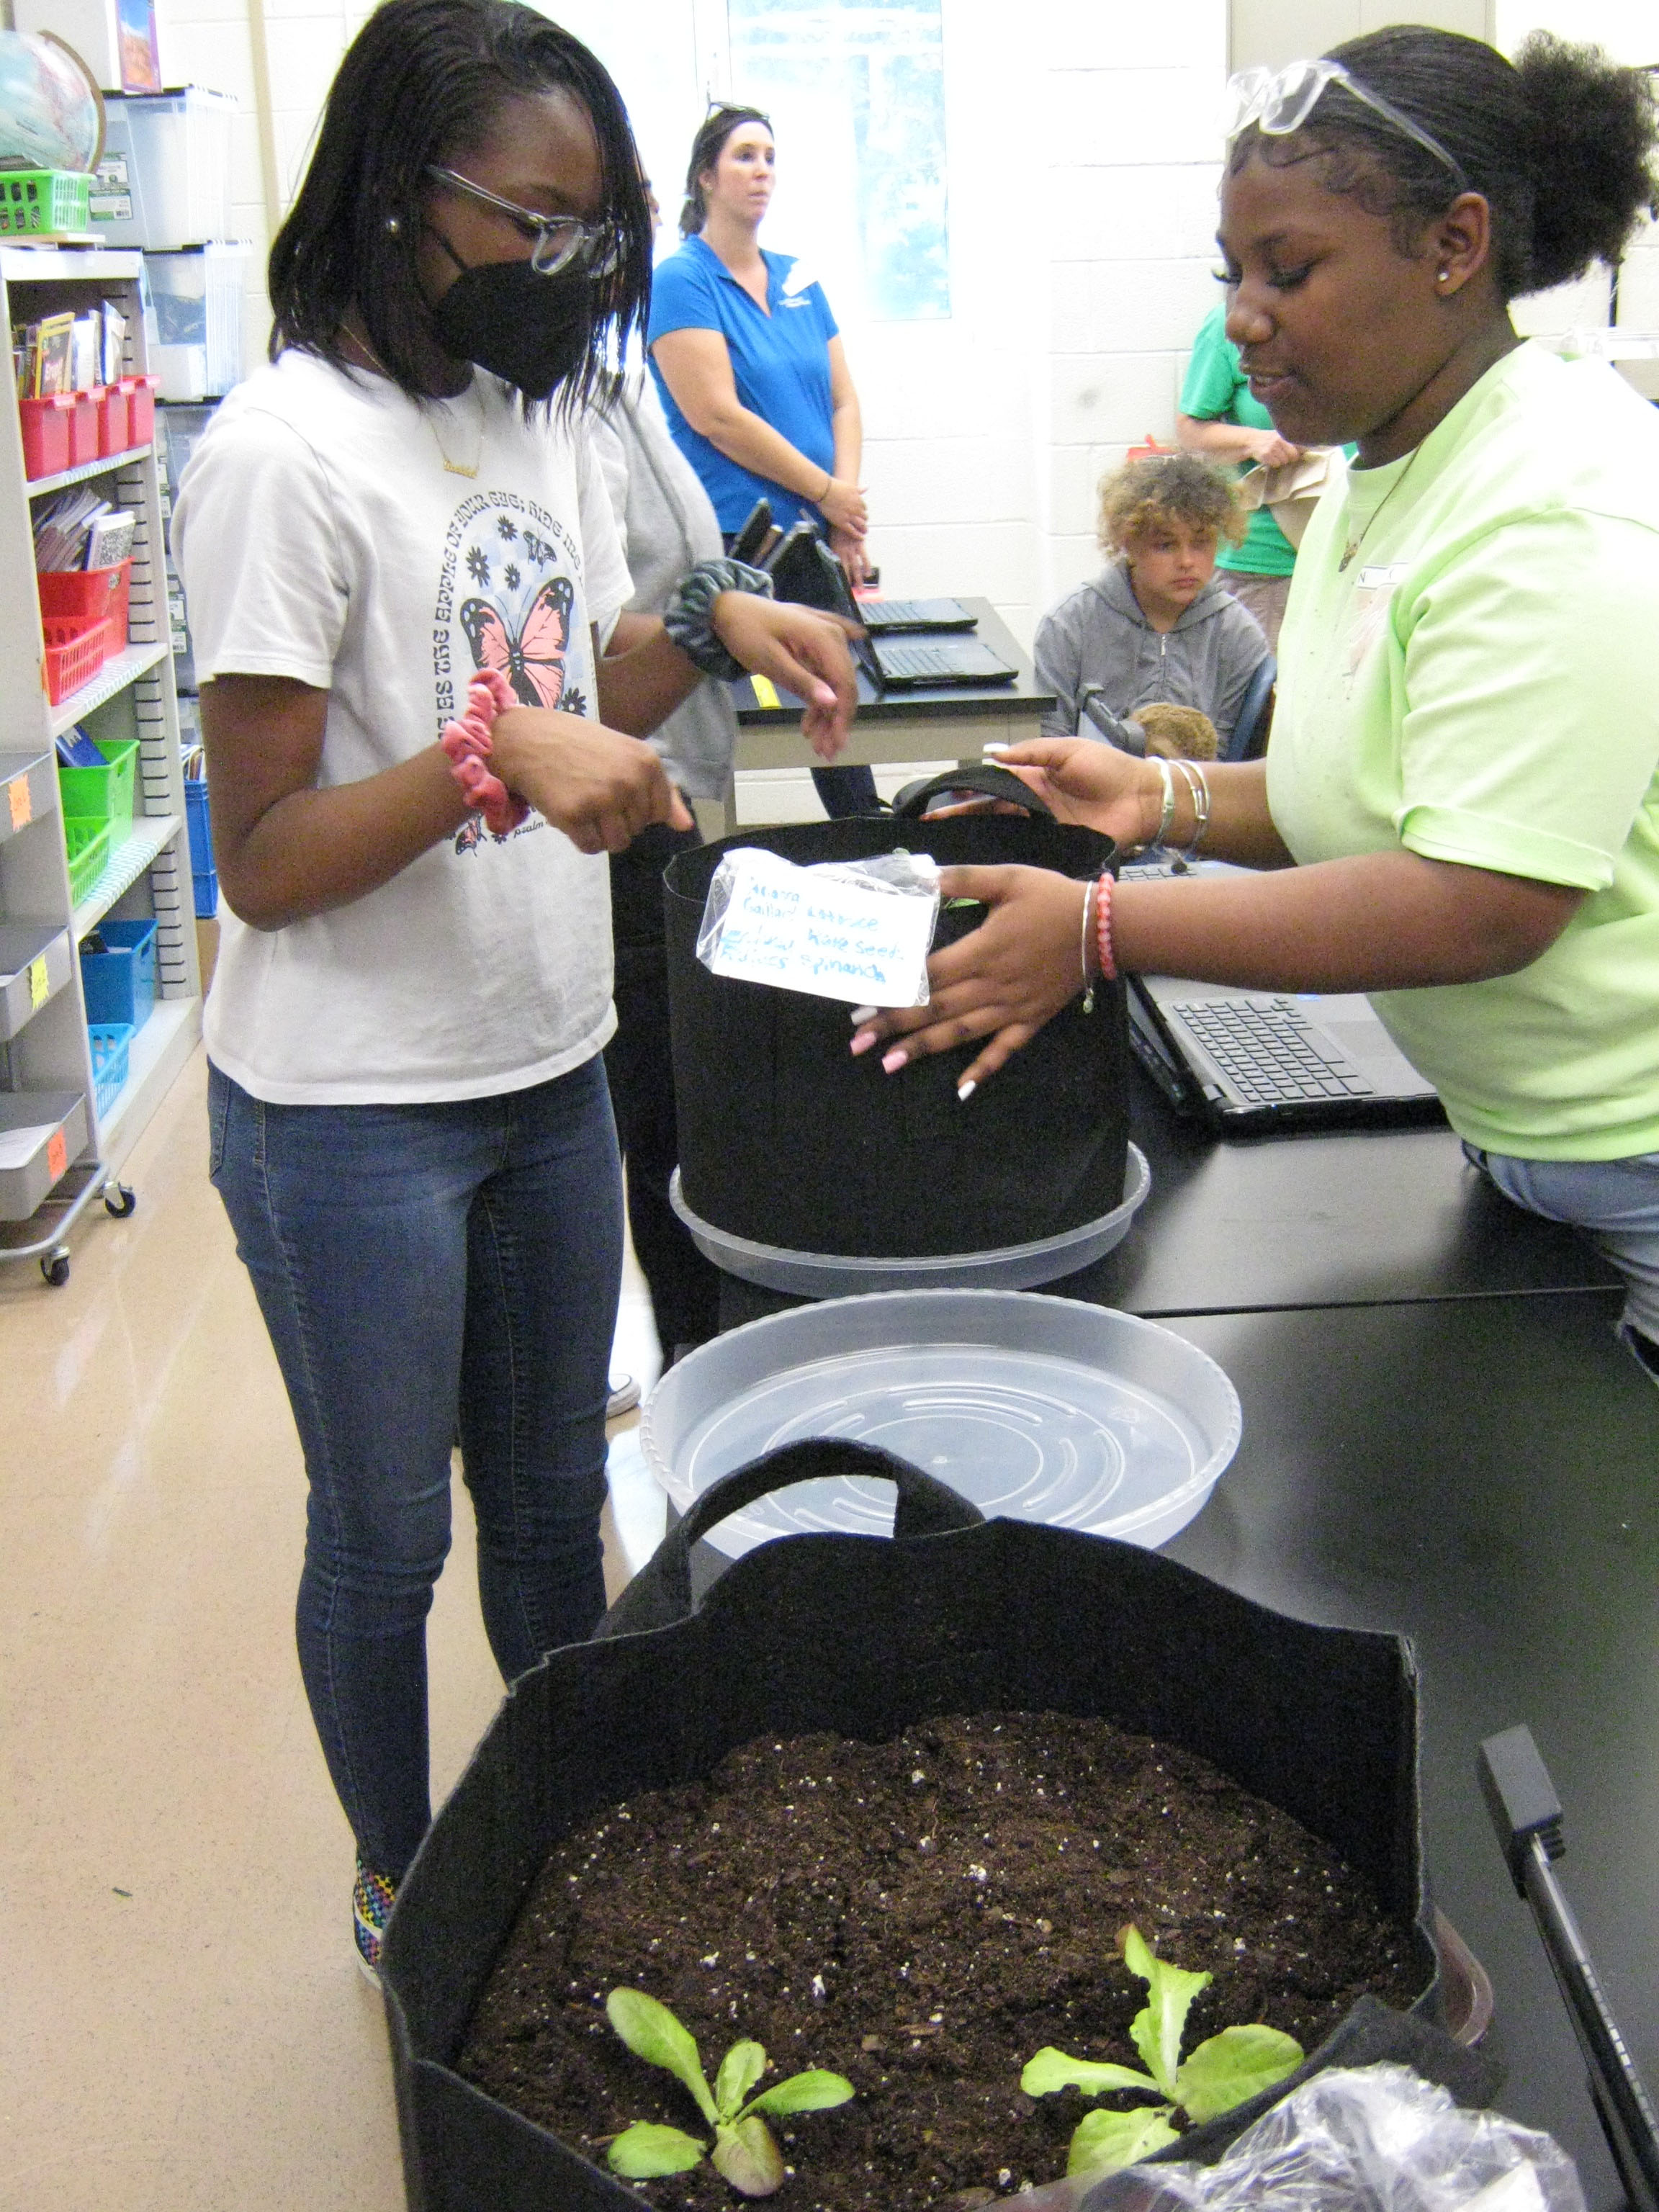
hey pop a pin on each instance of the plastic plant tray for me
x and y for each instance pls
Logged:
(1040, 1408)
(834, 1276)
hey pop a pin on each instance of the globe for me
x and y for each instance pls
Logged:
(50, 116)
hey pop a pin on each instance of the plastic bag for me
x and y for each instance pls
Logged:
(1361, 2139)
(855, 930)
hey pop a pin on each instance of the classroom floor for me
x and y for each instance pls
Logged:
(184, 2025)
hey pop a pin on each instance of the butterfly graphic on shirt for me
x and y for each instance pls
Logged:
(530, 657)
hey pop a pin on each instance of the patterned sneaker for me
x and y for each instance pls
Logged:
(371, 1907)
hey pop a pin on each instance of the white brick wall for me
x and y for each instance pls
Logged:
(1084, 167)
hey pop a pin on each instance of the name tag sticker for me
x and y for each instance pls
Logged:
(802, 929)
(38, 982)
(22, 806)
(1383, 577)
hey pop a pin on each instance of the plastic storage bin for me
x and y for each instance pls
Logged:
(45, 434)
(45, 202)
(103, 795)
(110, 1041)
(87, 846)
(77, 649)
(114, 414)
(83, 426)
(141, 393)
(42, 1134)
(91, 595)
(201, 848)
(197, 293)
(119, 985)
(175, 147)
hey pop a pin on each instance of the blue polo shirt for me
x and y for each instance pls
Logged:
(779, 364)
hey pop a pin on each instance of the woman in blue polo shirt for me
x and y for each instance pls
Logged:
(753, 377)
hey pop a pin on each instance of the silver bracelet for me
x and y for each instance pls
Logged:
(1083, 950)
(1199, 785)
(687, 616)
(1168, 781)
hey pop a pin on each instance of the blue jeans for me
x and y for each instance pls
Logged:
(1615, 1202)
(417, 1265)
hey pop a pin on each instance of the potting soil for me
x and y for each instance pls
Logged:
(921, 1916)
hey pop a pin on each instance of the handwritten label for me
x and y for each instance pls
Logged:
(22, 806)
(38, 985)
(57, 1155)
(803, 932)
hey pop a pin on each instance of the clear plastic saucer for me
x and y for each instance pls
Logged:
(1041, 1408)
(838, 1274)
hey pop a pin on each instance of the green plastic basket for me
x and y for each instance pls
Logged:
(88, 844)
(103, 795)
(37, 202)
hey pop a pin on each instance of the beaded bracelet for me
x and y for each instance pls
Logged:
(467, 742)
(1103, 947)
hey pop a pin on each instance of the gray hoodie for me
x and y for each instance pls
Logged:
(1099, 635)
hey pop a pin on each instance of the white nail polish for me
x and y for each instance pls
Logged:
(965, 1091)
(862, 1014)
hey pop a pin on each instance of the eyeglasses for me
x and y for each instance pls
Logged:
(562, 241)
(1279, 102)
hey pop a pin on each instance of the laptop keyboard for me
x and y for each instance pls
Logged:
(923, 660)
(905, 614)
(1271, 1053)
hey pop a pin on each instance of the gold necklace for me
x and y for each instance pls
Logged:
(1354, 543)
(454, 468)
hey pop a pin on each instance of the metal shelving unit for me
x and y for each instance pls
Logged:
(45, 1065)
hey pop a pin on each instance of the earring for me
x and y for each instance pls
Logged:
(393, 225)
(1445, 278)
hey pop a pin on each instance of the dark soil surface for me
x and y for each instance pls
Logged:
(921, 1916)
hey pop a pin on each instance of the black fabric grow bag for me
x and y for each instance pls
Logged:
(786, 1139)
(864, 1637)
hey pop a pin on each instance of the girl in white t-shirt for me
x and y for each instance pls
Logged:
(409, 1126)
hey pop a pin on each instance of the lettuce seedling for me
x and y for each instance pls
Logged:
(1220, 2073)
(743, 2150)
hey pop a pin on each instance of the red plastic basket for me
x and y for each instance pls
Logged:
(45, 434)
(114, 419)
(75, 651)
(141, 393)
(83, 426)
(91, 595)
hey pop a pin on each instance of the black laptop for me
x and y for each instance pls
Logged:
(806, 571)
(901, 617)
(1263, 1063)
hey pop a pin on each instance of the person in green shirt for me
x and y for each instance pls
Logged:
(1460, 810)
(1221, 419)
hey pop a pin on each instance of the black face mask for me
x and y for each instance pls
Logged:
(529, 330)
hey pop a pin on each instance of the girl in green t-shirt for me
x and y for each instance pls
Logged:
(1459, 811)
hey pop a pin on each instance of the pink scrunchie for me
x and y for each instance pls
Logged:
(467, 744)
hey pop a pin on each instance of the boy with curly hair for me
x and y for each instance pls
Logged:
(1154, 625)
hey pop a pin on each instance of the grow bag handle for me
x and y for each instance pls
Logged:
(661, 1593)
(983, 777)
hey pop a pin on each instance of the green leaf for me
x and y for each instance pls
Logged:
(1156, 2031)
(652, 2032)
(741, 2068)
(1053, 2069)
(643, 2152)
(1104, 2142)
(1234, 2065)
(815, 2091)
(748, 2157)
